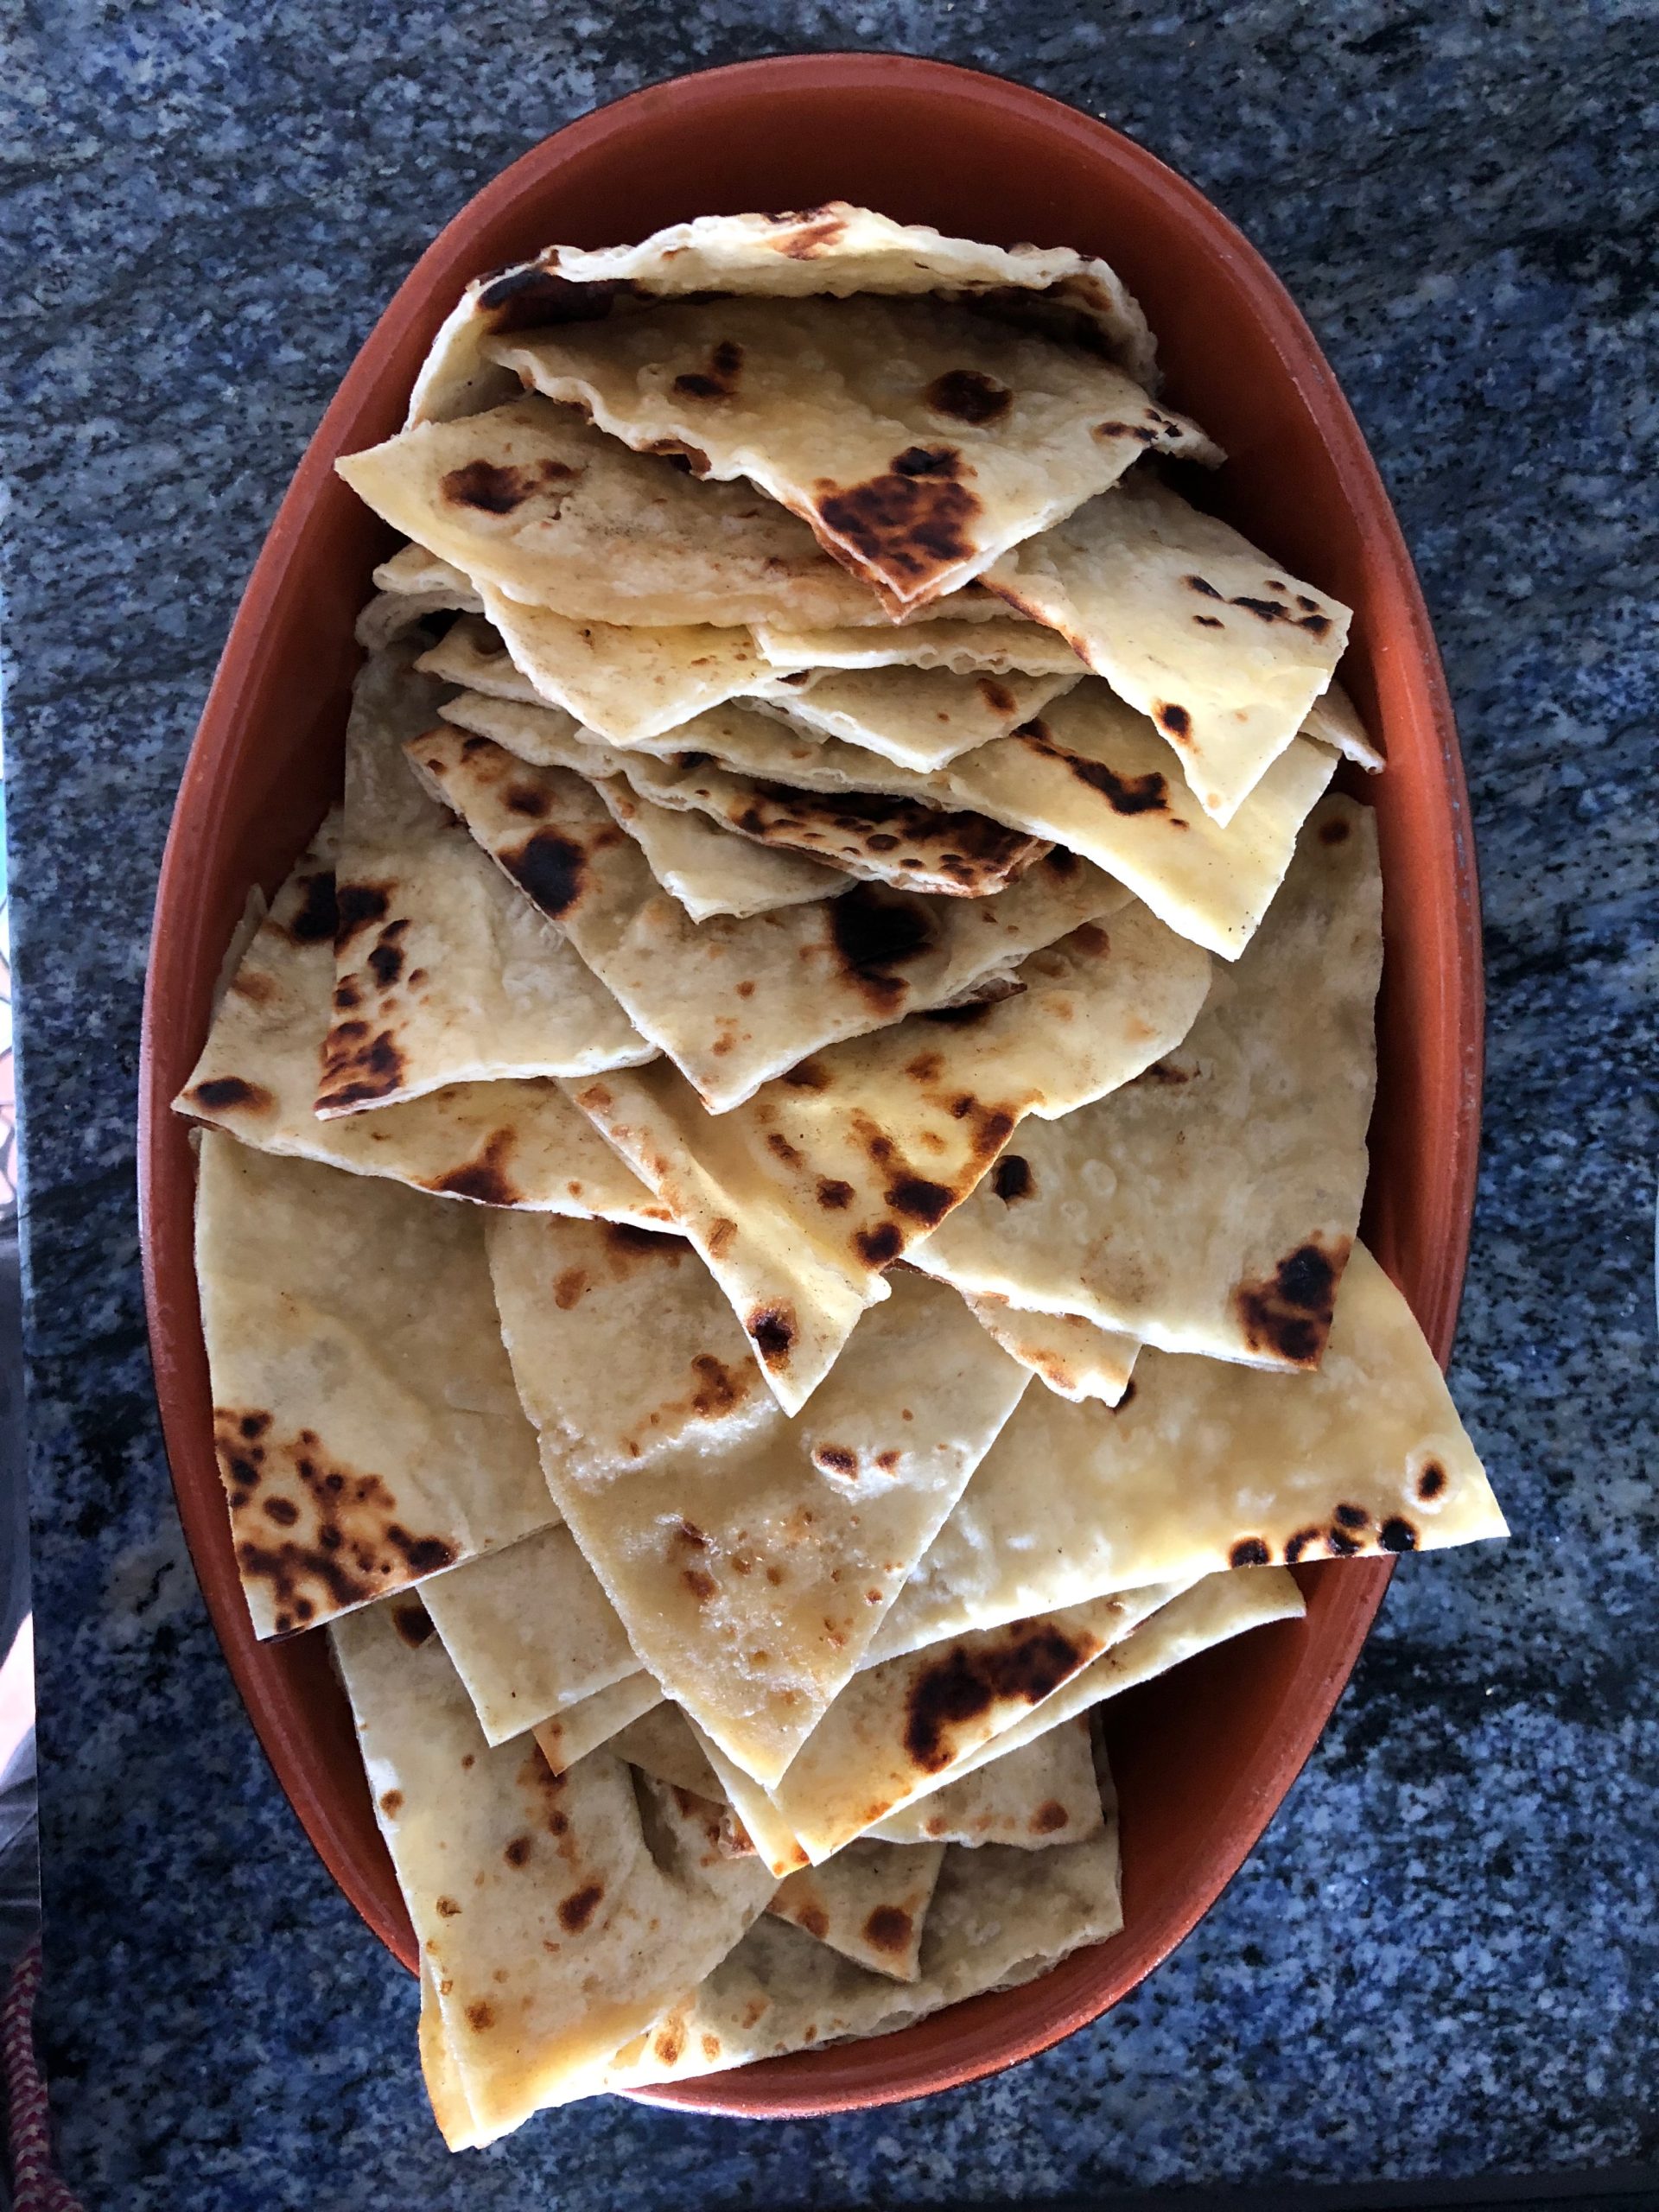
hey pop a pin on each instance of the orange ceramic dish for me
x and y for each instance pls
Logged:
(1202, 1759)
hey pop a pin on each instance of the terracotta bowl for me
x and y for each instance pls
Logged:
(1202, 1759)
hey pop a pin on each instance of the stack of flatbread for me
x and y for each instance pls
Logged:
(778, 1185)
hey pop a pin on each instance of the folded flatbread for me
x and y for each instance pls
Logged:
(1078, 1358)
(1224, 649)
(532, 499)
(800, 1199)
(530, 1631)
(869, 1902)
(921, 717)
(517, 1143)
(734, 1001)
(442, 975)
(998, 1918)
(1209, 1205)
(1205, 1464)
(752, 1572)
(1044, 1794)
(556, 1914)
(565, 1737)
(918, 439)
(367, 1431)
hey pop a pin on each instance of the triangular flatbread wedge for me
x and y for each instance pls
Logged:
(568, 1736)
(368, 1432)
(530, 1631)
(998, 1918)
(1224, 649)
(1205, 1465)
(622, 683)
(1096, 776)
(1042, 1796)
(733, 1002)
(834, 249)
(708, 870)
(508, 1143)
(1209, 1205)
(917, 440)
(661, 1743)
(996, 648)
(1077, 1359)
(800, 1198)
(901, 1730)
(751, 1574)
(554, 1917)
(920, 717)
(880, 839)
(532, 499)
(869, 1903)
(442, 975)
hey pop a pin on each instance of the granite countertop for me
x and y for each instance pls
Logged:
(1441, 1960)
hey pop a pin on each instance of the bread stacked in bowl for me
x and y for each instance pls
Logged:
(790, 1152)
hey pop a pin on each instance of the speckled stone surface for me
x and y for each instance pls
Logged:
(1442, 1960)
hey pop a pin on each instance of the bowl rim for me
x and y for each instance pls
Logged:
(783, 2087)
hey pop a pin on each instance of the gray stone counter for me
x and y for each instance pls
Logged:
(1441, 1961)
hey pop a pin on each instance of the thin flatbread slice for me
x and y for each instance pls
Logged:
(921, 717)
(661, 1743)
(880, 839)
(533, 500)
(621, 682)
(1207, 1465)
(554, 1921)
(734, 1001)
(998, 1918)
(530, 1631)
(999, 648)
(709, 871)
(564, 1738)
(412, 585)
(1209, 1205)
(640, 1360)
(917, 439)
(1096, 776)
(367, 1431)
(509, 1143)
(442, 975)
(904, 1729)
(1224, 649)
(835, 249)
(800, 1199)
(751, 1578)
(1334, 719)
(1044, 1794)
(869, 1903)
(1209, 1611)
(1077, 1359)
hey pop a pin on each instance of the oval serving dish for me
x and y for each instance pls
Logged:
(1203, 1757)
